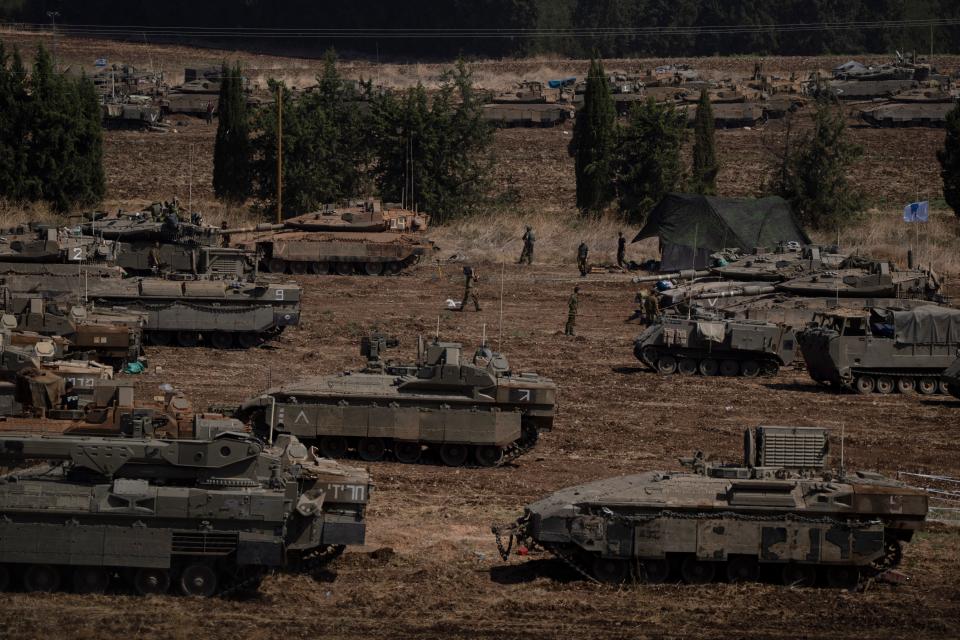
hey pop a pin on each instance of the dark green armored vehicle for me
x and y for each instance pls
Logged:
(712, 345)
(882, 350)
(446, 403)
(950, 379)
(140, 514)
(780, 512)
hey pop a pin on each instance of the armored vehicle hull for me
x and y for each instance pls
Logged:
(714, 346)
(527, 115)
(777, 266)
(780, 514)
(882, 350)
(909, 114)
(951, 379)
(476, 412)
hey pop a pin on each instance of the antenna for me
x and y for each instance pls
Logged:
(842, 434)
(438, 328)
(483, 335)
(500, 321)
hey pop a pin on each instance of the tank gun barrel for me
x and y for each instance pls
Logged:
(686, 274)
(253, 229)
(753, 290)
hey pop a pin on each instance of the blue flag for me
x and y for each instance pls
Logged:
(917, 212)
(100, 63)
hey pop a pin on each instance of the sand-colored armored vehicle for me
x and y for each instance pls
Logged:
(712, 345)
(465, 410)
(780, 512)
(882, 350)
(365, 237)
(860, 278)
(139, 513)
(911, 109)
(132, 112)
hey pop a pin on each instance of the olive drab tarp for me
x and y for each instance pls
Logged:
(927, 325)
(691, 227)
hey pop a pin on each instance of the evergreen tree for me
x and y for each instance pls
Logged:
(949, 158)
(704, 176)
(648, 156)
(812, 175)
(231, 152)
(594, 139)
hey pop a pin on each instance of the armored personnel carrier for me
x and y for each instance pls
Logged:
(882, 350)
(362, 238)
(459, 408)
(780, 512)
(138, 513)
(950, 380)
(713, 345)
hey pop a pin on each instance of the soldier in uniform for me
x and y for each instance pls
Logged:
(582, 252)
(153, 259)
(649, 306)
(621, 250)
(572, 307)
(527, 254)
(468, 293)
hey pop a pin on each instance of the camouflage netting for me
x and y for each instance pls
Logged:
(691, 227)
(927, 325)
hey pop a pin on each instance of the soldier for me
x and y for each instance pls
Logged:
(621, 250)
(572, 307)
(650, 306)
(527, 254)
(468, 293)
(582, 252)
(209, 112)
(153, 259)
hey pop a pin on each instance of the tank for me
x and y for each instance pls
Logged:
(138, 513)
(911, 111)
(712, 345)
(465, 410)
(882, 350)
(131, 113)
(216, 313)
(783, 263)
(43, 244)
(779, 514)
(367, 238)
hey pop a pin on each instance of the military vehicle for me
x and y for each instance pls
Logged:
(950, 380)
(139, 513)
(783, 263)
(527, 115)
(780, 512)
(911, 109)
(460, 408)
(131, 113)
(40, 243)
(882, 350)
(365, 237)
(861, 278)
(713, 345)
(220, 314)
(728, 115)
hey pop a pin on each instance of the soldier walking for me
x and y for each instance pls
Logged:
(582, 252)
(621, 250)
(572, 307)
(649, 306)
(527, 254)
(468, 293)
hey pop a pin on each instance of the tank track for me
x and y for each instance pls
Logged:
(767, 365)
(940, 388)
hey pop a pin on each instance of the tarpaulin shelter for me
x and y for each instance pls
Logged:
(691, 227)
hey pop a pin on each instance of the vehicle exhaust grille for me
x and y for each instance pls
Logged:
(199, 543)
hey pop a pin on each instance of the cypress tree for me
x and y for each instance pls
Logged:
(231, 152)
(704, 177)
(949, 158)
(594, 137)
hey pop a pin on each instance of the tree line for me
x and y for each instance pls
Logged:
(552, 20)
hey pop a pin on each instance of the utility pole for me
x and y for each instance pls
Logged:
(53, 15)
(279, 154)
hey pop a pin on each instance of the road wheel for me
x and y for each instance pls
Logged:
(277, 265)
(373, 268)
(648, 355)
(160, 338)
(906, 385)
(697, 571)
(198, 580)
(927, 386)
(407, 452)
(769, 368)
(610, 570)
(488, 455)
(729, 368)
(943, 387)
(864, 385)
(655, 571)
(90, 580)
(220, 340)
(687, 366)
(319, 268)
(41, 578)
(843, 577)
(453, 454)
(333, 447)
(188, 339)
(750, 369)
(298, 268)
(345, 268)
(247, 340)
(393, 268)
(709, 367)
(151, 581)
(667, 364)
(743, 569)
(371, 449)
(799, 575)
(885, 385)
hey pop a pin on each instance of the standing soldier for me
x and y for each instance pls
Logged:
(651, 308)
(209, 112)
(528, 239)
(468, 293)
(572, 308)
(154, 261)
(582, 252)
(621, 250)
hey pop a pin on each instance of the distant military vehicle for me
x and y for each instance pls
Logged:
(130, 113)
(783, 263)
(911, 109)
(367, 238)
(780, 511)
(40, 243)
(460, 408)
(712, 345)
(135, 512)
(882, 350)
(862, 278)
